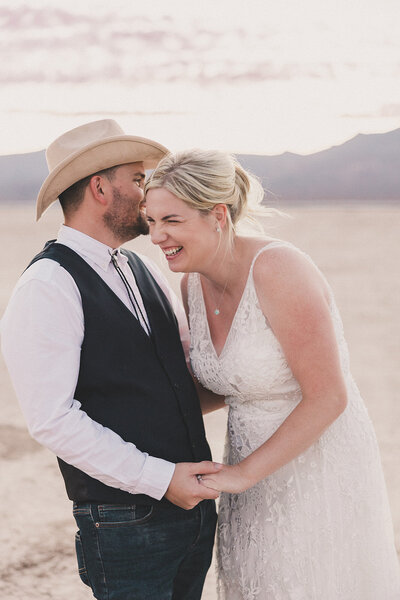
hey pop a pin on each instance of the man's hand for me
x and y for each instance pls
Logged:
(185, 490)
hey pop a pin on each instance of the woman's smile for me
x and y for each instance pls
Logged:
(172, 252)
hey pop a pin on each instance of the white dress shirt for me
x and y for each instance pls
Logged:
(42, 333)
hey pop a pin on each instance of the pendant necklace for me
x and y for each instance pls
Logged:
(217, 310)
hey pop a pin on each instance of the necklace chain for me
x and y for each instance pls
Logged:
(218, 304)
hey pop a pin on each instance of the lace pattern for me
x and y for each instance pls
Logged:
(320, 527)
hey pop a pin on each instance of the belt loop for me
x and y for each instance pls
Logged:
(94, 511)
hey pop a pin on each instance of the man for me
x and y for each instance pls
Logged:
(94, 352)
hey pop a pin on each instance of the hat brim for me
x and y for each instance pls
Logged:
(95, 157)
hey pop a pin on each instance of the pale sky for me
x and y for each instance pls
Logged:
(255, 76)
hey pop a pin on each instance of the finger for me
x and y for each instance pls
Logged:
(206, 478)
(209, 482)
(207, 493)
(211, 486)
(206, 466)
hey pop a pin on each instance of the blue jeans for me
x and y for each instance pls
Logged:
(135, 552)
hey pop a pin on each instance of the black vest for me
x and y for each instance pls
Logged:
(137, 386)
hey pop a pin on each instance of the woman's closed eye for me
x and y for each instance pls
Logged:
(151, 221)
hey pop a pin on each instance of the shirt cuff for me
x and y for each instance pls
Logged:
(155, 478)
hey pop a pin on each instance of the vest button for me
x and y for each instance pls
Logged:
(176, 386)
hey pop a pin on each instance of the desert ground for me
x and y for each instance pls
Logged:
(356, 246)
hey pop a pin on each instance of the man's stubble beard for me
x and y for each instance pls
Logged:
(124, 219)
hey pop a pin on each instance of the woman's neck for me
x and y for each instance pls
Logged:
(224, 269)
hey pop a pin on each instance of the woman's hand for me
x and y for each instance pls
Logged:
(230, 479)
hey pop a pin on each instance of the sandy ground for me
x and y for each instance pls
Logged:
(358, 250)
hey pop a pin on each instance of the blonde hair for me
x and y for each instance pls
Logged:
(205, 178)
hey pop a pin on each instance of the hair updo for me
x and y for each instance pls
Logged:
(205, 178)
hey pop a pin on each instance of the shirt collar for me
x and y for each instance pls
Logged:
(88, 247)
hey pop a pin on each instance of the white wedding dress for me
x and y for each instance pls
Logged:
(320, 527)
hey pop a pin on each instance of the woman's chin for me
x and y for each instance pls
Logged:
(175, 267)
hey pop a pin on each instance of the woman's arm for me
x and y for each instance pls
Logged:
(294, 297)
(208, 400)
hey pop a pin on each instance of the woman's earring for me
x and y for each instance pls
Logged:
(218, 229)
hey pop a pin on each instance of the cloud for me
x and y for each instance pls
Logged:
(386, 111)
(56, 45)
(24, 18)
(390, 110)
(107, 113)
(74, 44)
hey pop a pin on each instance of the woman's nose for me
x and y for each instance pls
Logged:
(157, 234)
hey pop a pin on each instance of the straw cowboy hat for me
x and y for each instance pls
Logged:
(88, 149)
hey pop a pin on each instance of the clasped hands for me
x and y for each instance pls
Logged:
(193, 482)
(229, 478)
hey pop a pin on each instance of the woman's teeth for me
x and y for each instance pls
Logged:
(173, 251)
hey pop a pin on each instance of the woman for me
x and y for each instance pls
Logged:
(304, 512)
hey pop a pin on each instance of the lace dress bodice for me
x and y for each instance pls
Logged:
(274, 539)
(269, 372)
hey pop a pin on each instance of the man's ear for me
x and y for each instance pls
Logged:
(97, 186)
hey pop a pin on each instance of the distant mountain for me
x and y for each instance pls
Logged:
(366, 167)
(21, 176)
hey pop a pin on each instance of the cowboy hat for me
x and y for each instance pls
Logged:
(88, 149)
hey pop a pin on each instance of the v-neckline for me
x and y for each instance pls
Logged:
(203, 304)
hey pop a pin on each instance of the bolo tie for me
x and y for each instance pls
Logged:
(133, 300)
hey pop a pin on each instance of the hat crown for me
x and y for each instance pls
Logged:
(78, 138)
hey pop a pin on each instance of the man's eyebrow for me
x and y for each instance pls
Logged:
(139, 174)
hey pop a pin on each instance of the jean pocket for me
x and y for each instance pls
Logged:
(122, 515)
(81, 559)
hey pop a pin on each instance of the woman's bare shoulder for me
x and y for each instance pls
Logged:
(282, 268)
